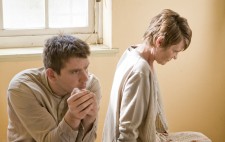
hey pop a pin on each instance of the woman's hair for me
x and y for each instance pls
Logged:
(171, 26)
(59, 49)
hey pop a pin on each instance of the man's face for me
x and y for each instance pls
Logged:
(163, 55)
(73, 75)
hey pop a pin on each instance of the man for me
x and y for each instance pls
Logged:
(58, 102)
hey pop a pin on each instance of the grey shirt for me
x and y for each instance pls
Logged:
(37, 114)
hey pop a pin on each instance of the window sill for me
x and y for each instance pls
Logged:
(36, 52)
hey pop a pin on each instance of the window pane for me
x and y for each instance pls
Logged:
(68, 13)
(23, 14)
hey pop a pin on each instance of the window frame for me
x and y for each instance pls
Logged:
(36, 37)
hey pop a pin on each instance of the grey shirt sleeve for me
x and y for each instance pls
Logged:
(36, 120)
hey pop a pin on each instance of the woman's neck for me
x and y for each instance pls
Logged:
(147, 52)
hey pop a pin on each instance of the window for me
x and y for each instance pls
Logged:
(28, 23)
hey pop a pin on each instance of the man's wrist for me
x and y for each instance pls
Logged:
(74, 123)
(87, 125)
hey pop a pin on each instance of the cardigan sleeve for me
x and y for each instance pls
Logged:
(133, 107)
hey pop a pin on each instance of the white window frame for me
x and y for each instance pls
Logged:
(36, 37)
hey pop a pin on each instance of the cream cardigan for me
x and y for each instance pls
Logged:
(135, 111)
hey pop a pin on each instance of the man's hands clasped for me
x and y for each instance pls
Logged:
(82, 107)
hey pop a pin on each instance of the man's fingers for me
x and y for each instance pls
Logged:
(86, 104)
(79, 96)
(84, 112)
(82, 103)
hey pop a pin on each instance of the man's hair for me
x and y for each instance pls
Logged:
(171, 26)
(58, 49)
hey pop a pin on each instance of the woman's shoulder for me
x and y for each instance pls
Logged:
(142, 67)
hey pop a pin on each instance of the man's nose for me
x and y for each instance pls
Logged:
(84, 75)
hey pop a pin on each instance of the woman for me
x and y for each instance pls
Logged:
(135, 112)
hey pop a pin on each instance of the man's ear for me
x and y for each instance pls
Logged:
(51, 74)
(159, 41)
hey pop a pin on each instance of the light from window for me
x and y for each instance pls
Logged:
(23, 14)
(68, 13)
(28, 23)
(30, 14)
